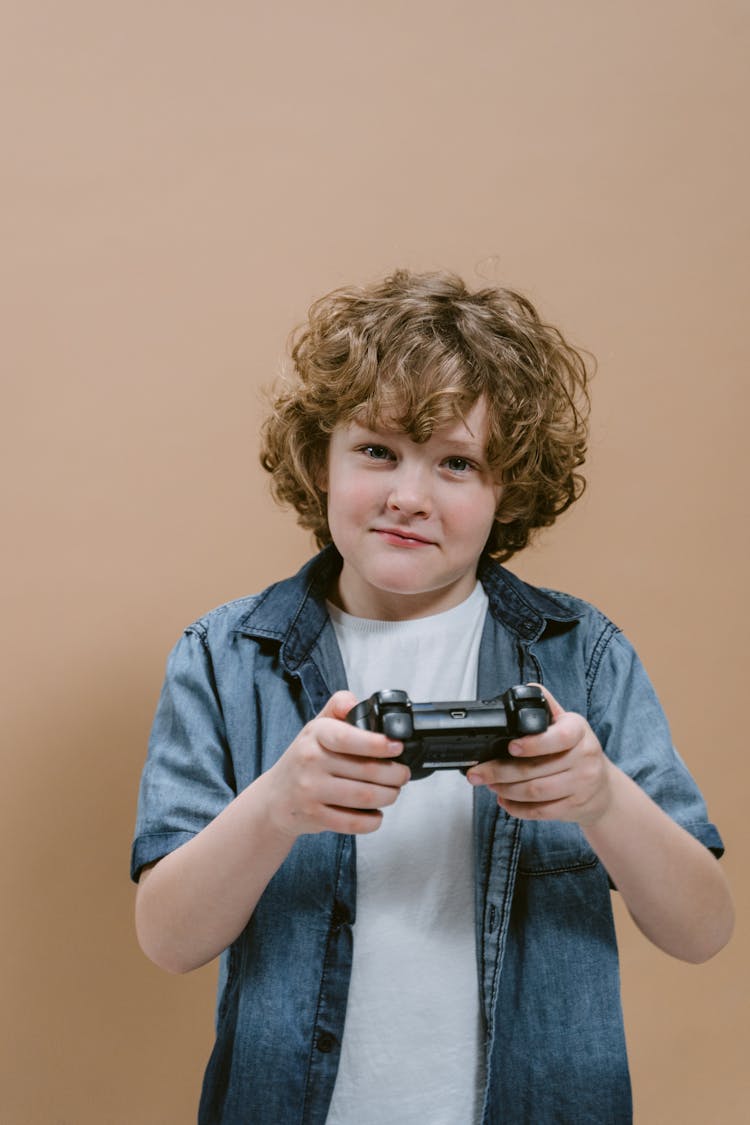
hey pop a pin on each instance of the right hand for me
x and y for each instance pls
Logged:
(335, 777)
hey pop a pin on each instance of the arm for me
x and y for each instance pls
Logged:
(194, 902)
(674, 888)
(672, 885)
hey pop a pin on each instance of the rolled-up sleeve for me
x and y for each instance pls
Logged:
(628, 719)
(188, 777)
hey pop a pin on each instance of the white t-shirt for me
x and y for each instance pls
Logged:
(413, 1046)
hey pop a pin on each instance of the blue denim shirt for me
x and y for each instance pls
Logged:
(240, 685)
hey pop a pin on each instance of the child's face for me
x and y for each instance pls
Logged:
(410, 520)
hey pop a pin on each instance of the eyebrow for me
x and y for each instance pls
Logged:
(470, 444)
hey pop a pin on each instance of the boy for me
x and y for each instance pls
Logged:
(440, 951)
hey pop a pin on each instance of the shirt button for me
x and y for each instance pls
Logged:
(340, 916)
(326, 1042)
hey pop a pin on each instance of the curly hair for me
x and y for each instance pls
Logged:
(418, 350)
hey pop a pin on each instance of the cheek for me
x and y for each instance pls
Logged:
(345, 503)
(476, 519)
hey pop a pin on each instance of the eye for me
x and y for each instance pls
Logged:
(458, 464)
(377, 452)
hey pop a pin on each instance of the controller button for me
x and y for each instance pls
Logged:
(526, 691)
(393, 696)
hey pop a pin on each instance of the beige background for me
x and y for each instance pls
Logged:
(179, 181)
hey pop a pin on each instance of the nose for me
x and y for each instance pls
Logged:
(410, 493)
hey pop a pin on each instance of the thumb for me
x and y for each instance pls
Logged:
(555, 709)
(339, 705)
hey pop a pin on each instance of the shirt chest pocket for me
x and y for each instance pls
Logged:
(552, 847)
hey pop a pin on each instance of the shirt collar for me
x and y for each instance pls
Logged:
(526, 610)
(293, 611)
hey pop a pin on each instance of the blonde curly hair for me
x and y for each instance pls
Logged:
(418, 350)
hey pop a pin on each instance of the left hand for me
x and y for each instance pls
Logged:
(561, 774)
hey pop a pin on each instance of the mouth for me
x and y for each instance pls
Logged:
(400, 537)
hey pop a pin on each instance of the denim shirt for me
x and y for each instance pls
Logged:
(240, 685)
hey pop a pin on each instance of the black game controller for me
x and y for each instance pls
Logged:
(447, 736)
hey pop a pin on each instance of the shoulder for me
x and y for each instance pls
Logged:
(577, 607)
(609, 656)
(273, 614)
(595, 629)
(224, 619)
(541, 611)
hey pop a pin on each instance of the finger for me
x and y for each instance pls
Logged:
(565, 733)
(372, 770)
(541, 810)
(536, 790)
(351, 822)
(501, 771)
(343, 738)
(339, 705)
(357, 795)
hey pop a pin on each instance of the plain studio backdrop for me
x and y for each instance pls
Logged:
(179, 181)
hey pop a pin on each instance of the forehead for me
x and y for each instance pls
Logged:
(446, 417)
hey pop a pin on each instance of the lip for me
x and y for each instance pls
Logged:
(401, 537)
